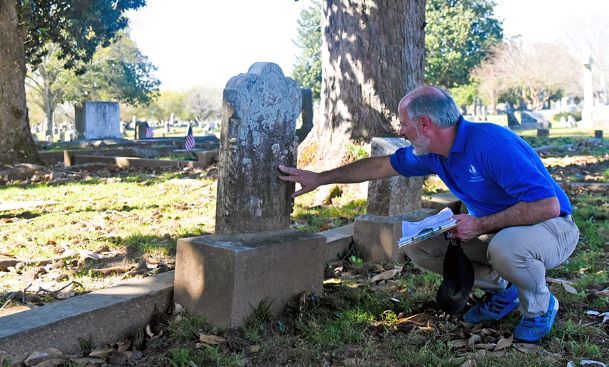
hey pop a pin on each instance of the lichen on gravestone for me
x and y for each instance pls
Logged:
(259, 112)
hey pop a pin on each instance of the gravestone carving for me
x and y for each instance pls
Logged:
(258, 127)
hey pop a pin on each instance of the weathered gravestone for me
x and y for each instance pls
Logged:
(513, 122)
(140, 130)
(98, 120)
(543, 133)
(394, 195)
(389, 199)
(254, 255)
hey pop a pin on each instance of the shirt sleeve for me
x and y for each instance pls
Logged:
(515, 170)
(406, 163)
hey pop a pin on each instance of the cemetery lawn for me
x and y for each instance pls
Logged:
(368, 314)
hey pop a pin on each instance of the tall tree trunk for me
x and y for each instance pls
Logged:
(49, 101)
(16, 143)
(372, 55)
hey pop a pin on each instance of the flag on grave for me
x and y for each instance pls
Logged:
(189, 141)
(149, 132)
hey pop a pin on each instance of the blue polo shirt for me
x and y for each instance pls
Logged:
(489, 168)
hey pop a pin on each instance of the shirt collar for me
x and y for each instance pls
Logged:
(459, 143)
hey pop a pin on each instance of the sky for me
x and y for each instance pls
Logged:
(206, 42)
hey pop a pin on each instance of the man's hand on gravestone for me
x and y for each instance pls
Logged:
(308, 180)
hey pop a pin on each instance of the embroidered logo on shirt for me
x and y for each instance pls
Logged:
(475, 176)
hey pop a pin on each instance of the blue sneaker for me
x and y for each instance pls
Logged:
(496, 306)
(532, 329)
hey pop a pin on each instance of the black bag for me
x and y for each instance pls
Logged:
(458, 273)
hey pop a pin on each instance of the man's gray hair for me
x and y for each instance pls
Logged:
(439, 107)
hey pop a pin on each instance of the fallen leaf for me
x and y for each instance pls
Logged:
(475, 338)
(211, 339)
(418, 319)
(589, 362)
(332, 281)
(487, 346)
(457, 343)
(469, 363)
(504, 343)
(54, 361)
(559, 281)
(87, 254)
(253, 349)
(42, 355)
(386, 275)
(111, 270)
(488, 332)
(604, 292)
(569, 288)
(528, 348)
(101, 352)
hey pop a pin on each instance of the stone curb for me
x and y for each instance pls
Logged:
(111, 314)
(104, 316)
(338, 241)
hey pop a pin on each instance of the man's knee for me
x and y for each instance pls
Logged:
(500, 250)
(416, 254)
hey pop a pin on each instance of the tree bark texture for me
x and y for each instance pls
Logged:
(16, 143)
(372, 55)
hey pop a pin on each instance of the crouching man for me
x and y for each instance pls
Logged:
(519, 222)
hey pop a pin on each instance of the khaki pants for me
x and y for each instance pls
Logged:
(520, 255)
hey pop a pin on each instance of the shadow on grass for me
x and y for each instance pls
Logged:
(22, 215)
(146, 176)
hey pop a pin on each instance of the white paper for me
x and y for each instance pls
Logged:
(418, 231)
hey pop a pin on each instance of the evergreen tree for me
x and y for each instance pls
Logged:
(458, 36)
(307, 69)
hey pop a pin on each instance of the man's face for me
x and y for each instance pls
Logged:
(410, 131)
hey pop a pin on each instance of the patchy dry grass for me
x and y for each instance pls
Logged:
(355, 322)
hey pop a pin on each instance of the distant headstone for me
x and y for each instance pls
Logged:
(98, 120)
(258, 127)
(394, 195)
(543, 133)
(140, 130)
(598, 134)
(306, 114)
(512, 120)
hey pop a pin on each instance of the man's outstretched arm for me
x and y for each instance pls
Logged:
(362, 170)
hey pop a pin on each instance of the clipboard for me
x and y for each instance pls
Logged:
(427, 233)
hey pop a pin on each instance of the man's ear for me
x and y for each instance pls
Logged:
(424, 122)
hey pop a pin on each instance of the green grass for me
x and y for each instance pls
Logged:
(350, 324)
(324, 217)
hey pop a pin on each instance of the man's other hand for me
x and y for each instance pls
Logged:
(467, 227)
(308, 180)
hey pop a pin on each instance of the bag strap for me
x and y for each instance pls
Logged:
(452, 241)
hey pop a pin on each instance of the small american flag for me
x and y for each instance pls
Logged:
(149, 132)
(189, 141)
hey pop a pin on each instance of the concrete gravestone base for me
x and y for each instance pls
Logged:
(254, 255)
(223, 278)
(375, 236)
